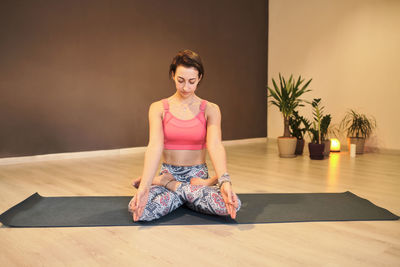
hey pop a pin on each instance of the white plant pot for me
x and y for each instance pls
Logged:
(287, 147)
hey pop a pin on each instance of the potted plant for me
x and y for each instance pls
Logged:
(286, 97)
(325, 122)
(315, 147)
(298, 126)
(358, 127)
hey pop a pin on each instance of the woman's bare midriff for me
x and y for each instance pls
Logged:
(184, 157)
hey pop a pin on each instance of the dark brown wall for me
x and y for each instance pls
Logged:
(80, 75)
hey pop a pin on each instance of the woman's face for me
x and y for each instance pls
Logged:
(186, 80)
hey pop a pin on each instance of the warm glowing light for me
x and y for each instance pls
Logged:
(335, 145)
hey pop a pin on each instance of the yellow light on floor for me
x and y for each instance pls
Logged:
(335, 145)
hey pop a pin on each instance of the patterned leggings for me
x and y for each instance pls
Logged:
(204, 199)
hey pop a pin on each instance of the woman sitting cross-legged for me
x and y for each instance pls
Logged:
(182, 128)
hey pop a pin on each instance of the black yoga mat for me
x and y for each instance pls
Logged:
(38, 211)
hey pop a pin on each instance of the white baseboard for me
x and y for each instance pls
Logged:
(244, 141)
(100, 153)
(72, 155)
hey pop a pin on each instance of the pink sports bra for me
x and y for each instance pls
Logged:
(184, 134)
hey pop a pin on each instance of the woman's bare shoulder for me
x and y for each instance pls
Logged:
(212, 110)
(212, 107)
(156, 107)
(158, 103)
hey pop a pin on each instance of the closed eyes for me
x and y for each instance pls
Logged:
(190, 81)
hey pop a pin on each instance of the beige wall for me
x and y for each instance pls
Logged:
(351, 50)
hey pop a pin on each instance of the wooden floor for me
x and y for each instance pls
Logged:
(254, 168)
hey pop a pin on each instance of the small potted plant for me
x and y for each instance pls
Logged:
(298, 126)
(325, 122)
(358, 127)
(286, 97)
(315, 147)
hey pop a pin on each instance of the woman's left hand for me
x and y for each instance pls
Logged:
(230, 199)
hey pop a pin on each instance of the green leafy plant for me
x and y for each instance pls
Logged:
(298, 125)
(358, 125)
(286, 97)
(325, 122)
(320, 123)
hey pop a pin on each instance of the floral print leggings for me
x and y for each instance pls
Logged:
(204, 199)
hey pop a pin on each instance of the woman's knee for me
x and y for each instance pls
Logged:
(220, 205)
(160, 205)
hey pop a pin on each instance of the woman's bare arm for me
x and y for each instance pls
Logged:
(214, 140)
(218, 157)
(151, 161)
(155, 146)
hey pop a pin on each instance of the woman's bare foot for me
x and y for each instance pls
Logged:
(161, 180)
(207, 182)
(136, 182)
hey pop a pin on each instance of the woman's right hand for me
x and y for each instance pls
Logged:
(138, 202)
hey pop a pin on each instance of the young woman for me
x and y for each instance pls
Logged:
(181, 128)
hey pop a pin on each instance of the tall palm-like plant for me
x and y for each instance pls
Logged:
(287, 97)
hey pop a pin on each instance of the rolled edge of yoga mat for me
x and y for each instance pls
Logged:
(395, 217)
(6, 217)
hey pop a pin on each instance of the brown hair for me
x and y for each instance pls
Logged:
(187, 58)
